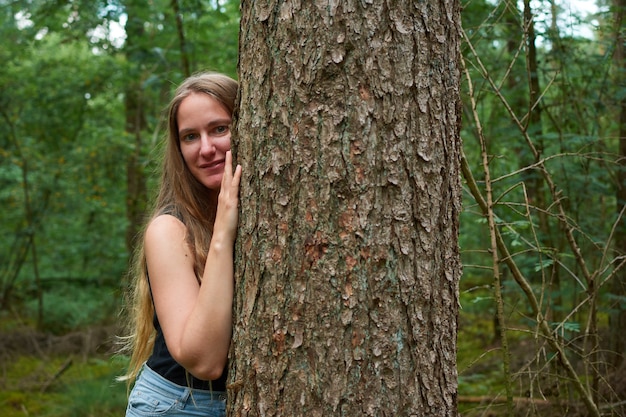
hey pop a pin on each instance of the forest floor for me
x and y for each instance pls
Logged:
(538, 383)
(74, 375)
(68, 375)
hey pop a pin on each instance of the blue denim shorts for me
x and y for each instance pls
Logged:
(153, 396)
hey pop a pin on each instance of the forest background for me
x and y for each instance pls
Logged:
(82, 88)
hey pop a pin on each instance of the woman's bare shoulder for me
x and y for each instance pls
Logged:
(165, 227)
(167, 250)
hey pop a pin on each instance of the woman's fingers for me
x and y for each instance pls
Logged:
(237, 176)
(227, 215)
(228, 168)
(231, 178)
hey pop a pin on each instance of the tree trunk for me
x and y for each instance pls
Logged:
(182, 41)
(347, 257)
(136, 193)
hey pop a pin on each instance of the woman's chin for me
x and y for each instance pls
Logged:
(213, 185)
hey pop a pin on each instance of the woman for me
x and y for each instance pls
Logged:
(182, 301)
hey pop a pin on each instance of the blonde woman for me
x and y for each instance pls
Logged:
(182, 308)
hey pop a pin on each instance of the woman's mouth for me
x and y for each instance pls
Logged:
(213, 165)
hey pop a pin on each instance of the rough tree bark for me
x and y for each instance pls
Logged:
(347, 258)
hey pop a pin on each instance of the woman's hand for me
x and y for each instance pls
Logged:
(227, 215)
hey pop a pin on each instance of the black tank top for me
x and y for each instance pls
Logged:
(161, 362)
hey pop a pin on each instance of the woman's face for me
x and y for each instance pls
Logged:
(204, 135)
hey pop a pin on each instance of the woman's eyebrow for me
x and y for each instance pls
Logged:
(185, 131)
(220, 122)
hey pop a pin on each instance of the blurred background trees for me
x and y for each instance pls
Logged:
(82, 87)
(544, 169)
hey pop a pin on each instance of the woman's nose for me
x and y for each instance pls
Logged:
(207, 147)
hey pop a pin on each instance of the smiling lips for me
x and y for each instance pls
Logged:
(214, 164)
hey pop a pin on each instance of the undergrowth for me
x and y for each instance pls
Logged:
(62, 387)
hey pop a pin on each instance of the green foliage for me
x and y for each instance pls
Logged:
(219, 51)
(53, 187)
(89, 305)
(64, 148)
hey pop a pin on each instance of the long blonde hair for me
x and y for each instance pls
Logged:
(183, 196)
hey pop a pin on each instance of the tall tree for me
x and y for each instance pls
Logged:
(135, 111)
(347, 258)
(180, 30)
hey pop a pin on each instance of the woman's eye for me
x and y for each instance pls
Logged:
(221, 129)
(189, 137)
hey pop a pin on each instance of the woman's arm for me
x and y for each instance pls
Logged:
(196, 319)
